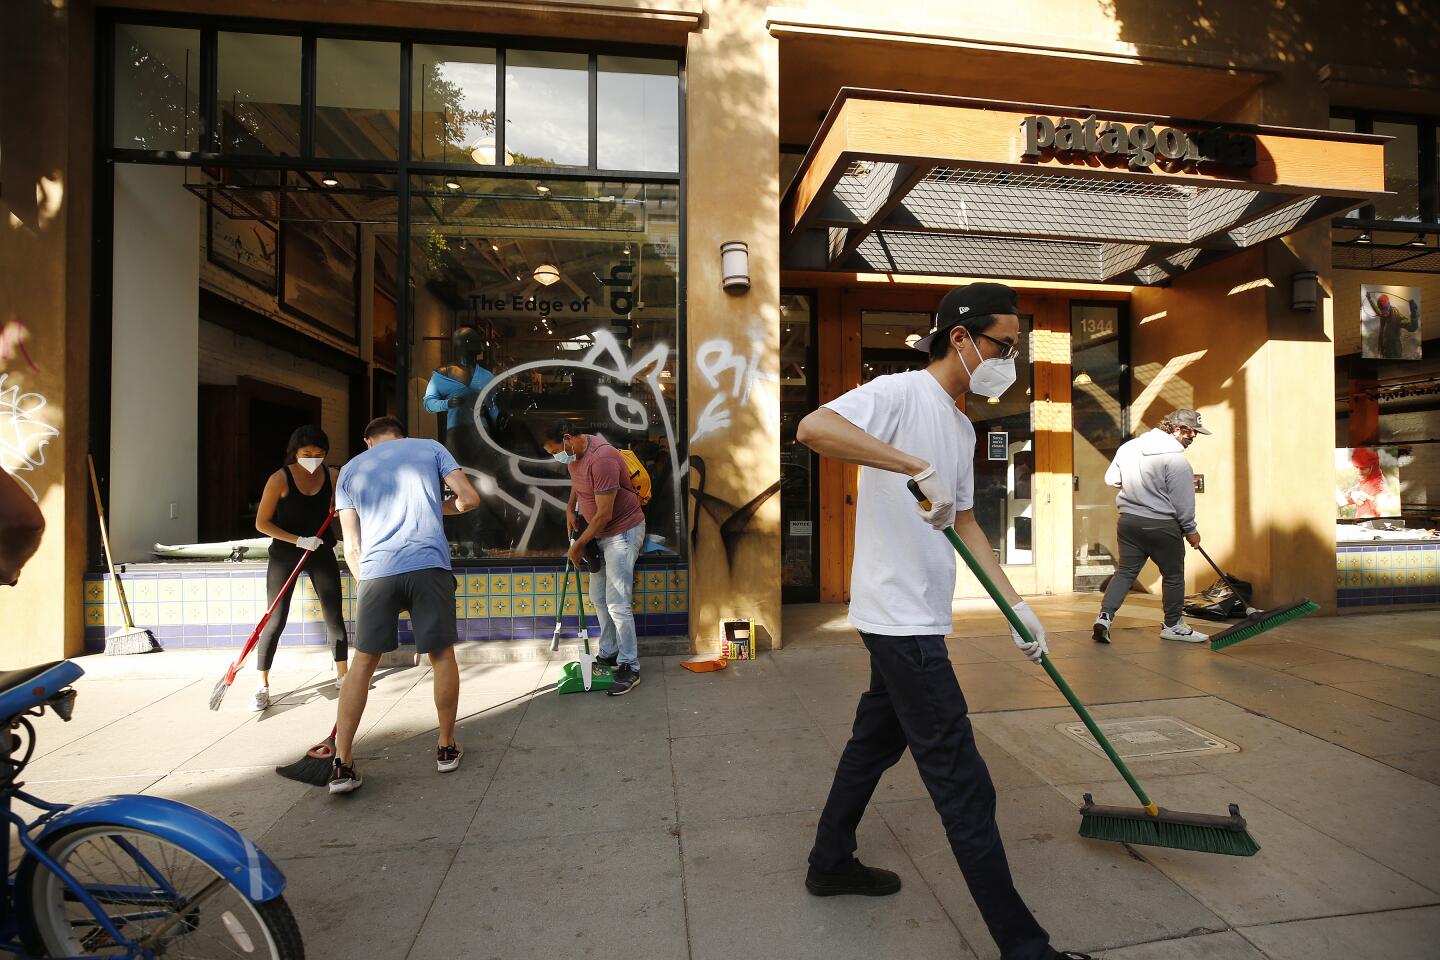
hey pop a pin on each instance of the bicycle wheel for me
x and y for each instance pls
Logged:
(156, 895)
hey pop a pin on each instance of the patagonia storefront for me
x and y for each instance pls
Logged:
(683, 225)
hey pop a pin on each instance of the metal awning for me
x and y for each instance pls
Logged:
(915, 184)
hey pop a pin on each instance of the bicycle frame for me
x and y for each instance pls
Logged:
(218, 845)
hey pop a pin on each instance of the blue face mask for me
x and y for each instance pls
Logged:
(564, 456)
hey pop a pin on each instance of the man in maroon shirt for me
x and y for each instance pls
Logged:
(600, 486)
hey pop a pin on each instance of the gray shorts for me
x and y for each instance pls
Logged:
(429, 595)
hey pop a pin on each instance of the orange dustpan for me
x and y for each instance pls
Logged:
(705, 664)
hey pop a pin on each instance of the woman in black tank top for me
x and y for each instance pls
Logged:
(297, 499)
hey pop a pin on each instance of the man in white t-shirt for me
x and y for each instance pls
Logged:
(897, 428)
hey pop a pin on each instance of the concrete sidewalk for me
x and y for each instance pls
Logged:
(674, 822)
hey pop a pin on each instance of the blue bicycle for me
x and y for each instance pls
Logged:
(126, 876)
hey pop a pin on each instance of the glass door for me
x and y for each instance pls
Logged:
(799, 478)
(1004, 432)
(1099, 413)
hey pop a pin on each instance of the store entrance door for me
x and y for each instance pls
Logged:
(1023, 447)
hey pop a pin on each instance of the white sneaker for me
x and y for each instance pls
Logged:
(1181, 631)
(262, 699)
(1101, 631)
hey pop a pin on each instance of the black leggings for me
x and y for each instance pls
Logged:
(324, 572)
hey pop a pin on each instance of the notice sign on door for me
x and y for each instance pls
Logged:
(999, 445)
(799, 528)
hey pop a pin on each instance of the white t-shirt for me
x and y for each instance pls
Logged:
(903, 578)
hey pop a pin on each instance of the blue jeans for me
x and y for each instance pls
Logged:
(612, 591)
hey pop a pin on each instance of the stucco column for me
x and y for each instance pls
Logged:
(45, 79)
(732, 340)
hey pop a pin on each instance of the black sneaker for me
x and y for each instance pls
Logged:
(856, 879)
(448, 758)
(1072, 955)
(343, 778)
(611, 662)
(627, 678)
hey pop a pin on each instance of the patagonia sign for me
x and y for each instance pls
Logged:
(1140, 146)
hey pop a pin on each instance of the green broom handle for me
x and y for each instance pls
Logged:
(1024, 633)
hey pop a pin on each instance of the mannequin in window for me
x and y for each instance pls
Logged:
(453, 389)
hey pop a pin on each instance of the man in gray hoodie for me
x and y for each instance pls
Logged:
(1156, 502)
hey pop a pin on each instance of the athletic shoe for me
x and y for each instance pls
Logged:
(1101, 633)
(1072, 955)
(611, 662)
(627, 678)
(1181, 631)
(448, 758)
(262, 699)
(343, 778)
(856, 879)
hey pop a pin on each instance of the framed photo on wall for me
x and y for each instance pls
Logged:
(319, 270)
(1389, 322)
(246, 248)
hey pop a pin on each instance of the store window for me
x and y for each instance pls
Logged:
(338, 264)
(638, 123)
(1412, 164)
(452, 94)
(157, 88)
(357, 99)
(547, 109)
(258, 94)
(531, 307)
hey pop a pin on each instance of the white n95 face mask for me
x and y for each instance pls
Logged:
(310, 464)
(992, 377)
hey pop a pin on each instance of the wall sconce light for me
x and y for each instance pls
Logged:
(546, 274)
(735, 266)
(1304, 290)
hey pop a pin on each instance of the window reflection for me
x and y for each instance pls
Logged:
(1402, 172)
(258, 94)
(529, 308)
(357, 99)
(547, 109)
(1098, 419)
(157, 88)
(453, 103)
(638, 114)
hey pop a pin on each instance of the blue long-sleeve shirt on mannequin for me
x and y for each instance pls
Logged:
(443, 388)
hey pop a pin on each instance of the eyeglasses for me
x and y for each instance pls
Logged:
(1008, 351)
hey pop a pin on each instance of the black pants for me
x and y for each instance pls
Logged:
(324, 572)
(1141, 539)
(914, 700)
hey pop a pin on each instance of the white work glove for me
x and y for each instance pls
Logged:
(941, 514)
(308, 544)
(1032, 623)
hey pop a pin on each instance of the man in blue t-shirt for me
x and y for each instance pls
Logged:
(390, 503)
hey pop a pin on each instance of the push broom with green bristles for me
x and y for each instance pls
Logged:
(1256, 623)
(1148, 824)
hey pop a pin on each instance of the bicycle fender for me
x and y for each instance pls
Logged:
(211, 841)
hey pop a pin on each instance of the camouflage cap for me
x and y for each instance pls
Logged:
(1186, 418)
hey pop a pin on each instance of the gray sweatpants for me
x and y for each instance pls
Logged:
(1141, 539)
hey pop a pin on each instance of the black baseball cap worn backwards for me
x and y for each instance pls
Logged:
(962, 303)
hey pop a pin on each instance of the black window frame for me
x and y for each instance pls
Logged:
(403, 166)
(1428, 167)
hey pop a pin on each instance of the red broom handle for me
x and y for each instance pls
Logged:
(255, 634)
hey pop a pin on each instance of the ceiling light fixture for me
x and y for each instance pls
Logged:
(546, 274)
(329, 180)
(452, 184)
(912, 339)
(1363, 238)
(992, 399)
(541, 188)
(1081, 379)
(1419, 241)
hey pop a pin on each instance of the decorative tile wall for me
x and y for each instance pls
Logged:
(218, 605)
(1386, 575)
